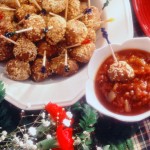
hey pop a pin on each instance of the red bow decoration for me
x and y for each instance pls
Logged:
(64, 134)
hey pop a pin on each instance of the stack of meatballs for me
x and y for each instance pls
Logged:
(51, 33)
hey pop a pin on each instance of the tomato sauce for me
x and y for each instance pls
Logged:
(131, 97)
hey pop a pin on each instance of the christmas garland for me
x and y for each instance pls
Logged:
(77, 127)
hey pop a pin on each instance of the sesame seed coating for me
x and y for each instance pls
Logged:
(93, 19)
(76, 32)
(37, 74)
(56, 34)
(83, 53)
(55, 6)
(18, 70)
(8, 15)
(25, 9)
(38, 25)
(73, 8)
(91, 35)
(120, 71)
(6, 51)
(50, 49)
(25, 50)
(57, 65)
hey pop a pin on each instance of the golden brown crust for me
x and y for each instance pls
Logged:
(18, 70)
(76, 32)
(56, 34)
(25, 50)
(38, 25)
(91, 35)
(57, 65)
(44, 46)
(6, 51)
(8, 15)
(93, 19)
(25, 9)
(55, 6)
(83, 53)
(36, 69)
(73, 8)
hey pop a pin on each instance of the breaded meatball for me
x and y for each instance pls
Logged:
(5, 27)
(55, 6)
(36, 69)
(44, 46)
(93, 19)
(57, 65)
(76, 32)
(83, 53)
(18, 70)
(6, 51)
(73, 8)
(25, 9)
(6, 14)
(91, 35)
(56, 34)
(38, 25)
(61, 46)
(25, 50)
(120, 71)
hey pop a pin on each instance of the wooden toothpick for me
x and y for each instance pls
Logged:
(18, 3)
(36, 4)
(66, 10)
(43, 69)
(8, 39)
(7, 9)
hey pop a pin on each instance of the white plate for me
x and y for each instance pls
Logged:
(29, 95)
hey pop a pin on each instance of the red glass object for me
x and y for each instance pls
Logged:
(142, 11)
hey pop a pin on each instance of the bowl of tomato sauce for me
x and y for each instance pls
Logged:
(125, 100)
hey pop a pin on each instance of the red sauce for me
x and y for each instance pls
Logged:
(132, 96)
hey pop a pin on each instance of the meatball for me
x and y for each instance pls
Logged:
(93, 19)
(57, 65)
(18, 70)
(50, 49)
(91, 35)
(6, 14)
(25, 9)
(25, 50)
(6, 27)
(55, 6)
(73, 8)
(6, 51)
(83, 53)
(56, 34)
(76, 32)
(120, 71)
(36, 69)
(38, 25)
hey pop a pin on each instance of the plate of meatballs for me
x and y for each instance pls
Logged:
(45, 46)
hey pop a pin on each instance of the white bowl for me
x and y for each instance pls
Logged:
(98, 57)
